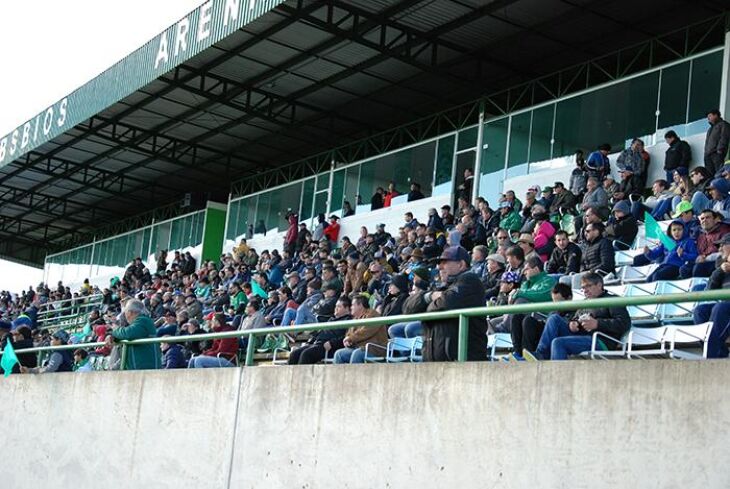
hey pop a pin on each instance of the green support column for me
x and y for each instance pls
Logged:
(213, 231)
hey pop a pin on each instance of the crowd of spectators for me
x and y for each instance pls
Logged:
(540, 248)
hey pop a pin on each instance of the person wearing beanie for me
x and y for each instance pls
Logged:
(622, 227)
(60, 361)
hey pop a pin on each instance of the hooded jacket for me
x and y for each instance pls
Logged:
(689, 249)
(537, 288)
(722, 206)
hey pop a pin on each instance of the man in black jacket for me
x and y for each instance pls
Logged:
(622, 226)
(323, 343)
(716, 142)
(563, 338)
(462, 289)
(598, 256)
(565, 258)
(677, 157)
(298, 287)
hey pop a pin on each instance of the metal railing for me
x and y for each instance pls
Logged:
(68, 313)
(463, 316)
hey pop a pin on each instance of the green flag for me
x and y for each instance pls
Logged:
(653, 231)
(9, 359)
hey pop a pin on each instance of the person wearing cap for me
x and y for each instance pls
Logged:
(716, 141)
(634, 160)
(546, 197)
(415, 303)
(678, 155)
(304, 313)
(543, 233)
(222, 352)
(622, 228)
(169, 325)
(597, 164)
(527, 243)
(461, 289)
(172, 355)
(395, 296)
(610, 185)
(22, 337)
(496, 264)
(297, 286)
(60, 361)
(712, 235)
(434, 220)
(627, 186)
(564, 201)
(140, 325)
(509, 218)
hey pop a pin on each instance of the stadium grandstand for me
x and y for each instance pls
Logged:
(414, 182)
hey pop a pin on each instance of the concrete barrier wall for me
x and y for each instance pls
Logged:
(656, 424)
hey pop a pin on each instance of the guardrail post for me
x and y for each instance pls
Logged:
(124, 356)
(463, 337)
(249, 350)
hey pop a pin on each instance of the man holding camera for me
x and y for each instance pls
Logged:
(563, 338)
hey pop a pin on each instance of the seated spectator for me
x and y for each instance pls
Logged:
(700, 193)
(626, 189)
(509, 218)
(59, 361)
(595, 198)
(546, 200)
(357, 337)
(496, 264)
(169, 326)
(254, 317)
(323, 343)
(717, 312)
(223, 351)
(566, 256)
(544, 232)
(397, 293)
(415, 303)
(598, 256)
(679, 189)
(527, 243)
(190, 348)
(81, 361)
(479, 260)
(314, 295)
(527, 335)
(562, 338)
(564, 201)
(462, 289)
(622, 228)
(535, 287)
(21, 337)
(720, 192)
(660, 191)
(172, 355)
(509, 282)
(515, 257)
(670, 260)
(711, 236)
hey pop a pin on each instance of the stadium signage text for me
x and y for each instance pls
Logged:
(184, 33)
(21, 137)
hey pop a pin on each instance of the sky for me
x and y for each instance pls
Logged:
(48, 48)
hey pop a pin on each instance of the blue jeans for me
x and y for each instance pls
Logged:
(406, 330)
(304, 316)
(700, 202)
(703, 269)
(664, 272)
(558, 342)
(663, 207)
(719, 314)
(289, 316)
(350, 355)
(205, 361)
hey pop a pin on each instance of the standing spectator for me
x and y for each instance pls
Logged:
(290, 240)
(578, 177)
(332, 232)
(172, 355)
(716, 142)
(415, 193)
(597, 164)
(635, 161)
(677, 157)
(139, 357)
(462, 289)
(318, 233)
(376, 202)
(465, 188)
(392, 193)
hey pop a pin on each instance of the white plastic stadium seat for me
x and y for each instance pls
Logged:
(688, 336)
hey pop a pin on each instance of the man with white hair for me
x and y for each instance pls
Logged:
(139, 357)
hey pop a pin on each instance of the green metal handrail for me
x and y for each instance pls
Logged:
(462, 314)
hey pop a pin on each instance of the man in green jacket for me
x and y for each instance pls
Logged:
(139, 357)
(535, 288)
(509, 218)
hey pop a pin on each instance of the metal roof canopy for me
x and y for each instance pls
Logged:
(240, 87)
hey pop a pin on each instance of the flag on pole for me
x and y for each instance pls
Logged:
(9, 359)
(654, 231)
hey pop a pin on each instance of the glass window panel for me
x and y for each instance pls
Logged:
(232, 219)
(519, 139)
(262, 213)
(673, 97)
(542, 133)
(320, 206)
(444, 159)
(275, 214)
(307, 196)
(495, 140)
(338, 192)
(384, 172)
(289, 201)
(146, 236)
(705, 89)
(468, 138)
(367, 182)
(323, 181)
(352, 176)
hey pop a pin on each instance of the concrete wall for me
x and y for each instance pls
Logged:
(657, 424)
